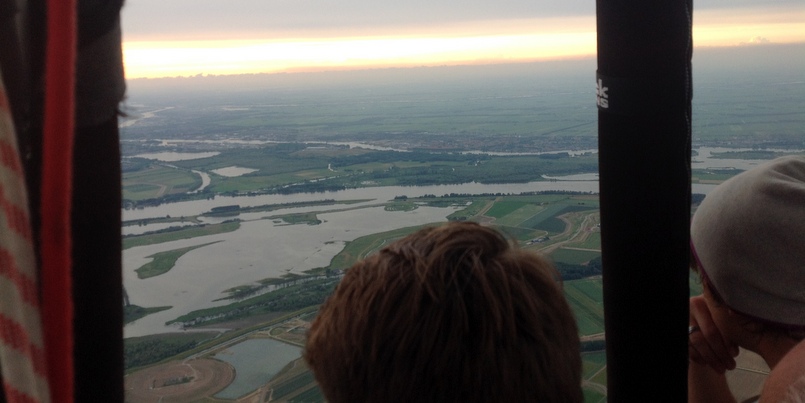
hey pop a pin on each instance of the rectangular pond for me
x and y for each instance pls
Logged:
(256, 361)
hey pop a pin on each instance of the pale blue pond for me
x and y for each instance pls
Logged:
(255, 362)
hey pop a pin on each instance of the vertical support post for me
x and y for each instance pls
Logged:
(644, 97)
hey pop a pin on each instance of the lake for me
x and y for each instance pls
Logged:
(256, 361)
(258, 250)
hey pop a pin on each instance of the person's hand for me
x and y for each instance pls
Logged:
(706, 343)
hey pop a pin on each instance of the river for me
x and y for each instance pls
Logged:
(268, 248)
(259, 249)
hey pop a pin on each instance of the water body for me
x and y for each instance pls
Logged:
(258, 250)
(383, 193)
(379, 194)
(706, 160)
(577, 177)
(256, 361)
(270, 248)
(170, 156)
(141, 229)
(205, 180)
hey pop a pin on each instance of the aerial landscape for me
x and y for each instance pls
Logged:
(246, 196)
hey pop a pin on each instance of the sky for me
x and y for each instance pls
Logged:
(168, 38)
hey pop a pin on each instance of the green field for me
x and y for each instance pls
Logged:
(293, 297)
(519, 216)
(592, 363)
(593, 241)
(156, 181)
(366, 245)
(312, 395)
(164, 261)
(145, 350)
(573, 256)
(470, 211)
(712, 176)
(593, 396)
(587, 302)
(299, 218)
(519, 233)
(291, 385)
(503, 208)
(289, 168)
(134, 312)
(594, 370)
(182, 233)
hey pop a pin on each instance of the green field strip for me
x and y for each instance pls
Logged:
(163, 262)
(600, 378)
(540, 199)
(546, 219)
(469, 211)
(589, 313)
(148, 183)
(592, 288)
(573, 256)
(588, 325)
(256, 181)
(293, 384)
(162, 175)
(140, 188)
(587, 201)
(134, 312)
(140, 191)
(525, 213)
(593, 241)
(366, 245)
(183, 233)
(520, 234)
(593, 396)
(591, 363)
(312, 395)
(293, 297)
(518, 217)
(504, 208)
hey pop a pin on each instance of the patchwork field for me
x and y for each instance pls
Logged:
(155, 181)
(587, 302)
(295, 383)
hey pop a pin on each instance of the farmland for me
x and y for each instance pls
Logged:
(519, 213)
(306, 134)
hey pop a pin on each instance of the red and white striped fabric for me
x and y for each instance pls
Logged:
(22, 349)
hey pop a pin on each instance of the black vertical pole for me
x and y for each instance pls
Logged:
(644, 94)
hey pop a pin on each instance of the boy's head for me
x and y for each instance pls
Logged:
(748, 237)
(449, 314)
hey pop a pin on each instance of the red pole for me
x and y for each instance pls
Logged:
(57, 304)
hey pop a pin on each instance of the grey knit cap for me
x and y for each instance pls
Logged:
(749, 237)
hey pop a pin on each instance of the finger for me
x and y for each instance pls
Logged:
(709, 342)
(694, 355)
(702, 353)
(717, 345)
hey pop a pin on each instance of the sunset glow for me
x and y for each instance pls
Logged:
(491, 43)
(154, 59)
(744, 27)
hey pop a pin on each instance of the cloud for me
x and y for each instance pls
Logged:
(219, 19)
(756, 40)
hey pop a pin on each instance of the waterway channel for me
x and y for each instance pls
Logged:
(270, 248)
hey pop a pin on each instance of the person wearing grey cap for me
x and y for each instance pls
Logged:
(748, 246)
